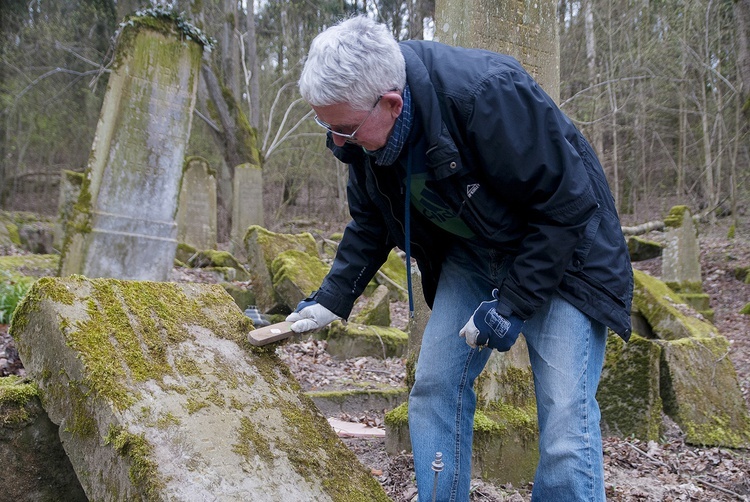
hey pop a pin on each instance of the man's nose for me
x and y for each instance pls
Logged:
(338, 140)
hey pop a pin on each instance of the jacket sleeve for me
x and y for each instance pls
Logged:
(526, 148)
(361, 252)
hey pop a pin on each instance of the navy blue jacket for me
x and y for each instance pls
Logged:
(520, 175)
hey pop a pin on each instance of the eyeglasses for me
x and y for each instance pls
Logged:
(349, 136)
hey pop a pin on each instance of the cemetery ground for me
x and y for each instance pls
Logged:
(635, 470)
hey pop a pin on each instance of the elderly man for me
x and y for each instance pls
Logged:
(459, 158)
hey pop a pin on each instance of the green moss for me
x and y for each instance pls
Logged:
(15, 237)
(312, 448)
(318, 453)
(143, 470)
(745, 310)
(700, 392)
(389, 341)
(15, 394)
(398, 416)
(302, 269)
(194, 405)
(251, 443)
(273, 244)
(128, 328)
(395, 269)
(675, 217)
(658, 304)
(167, 420)
(628, 392)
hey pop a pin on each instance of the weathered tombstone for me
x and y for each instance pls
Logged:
(124, 226)
(196, 213)
(701, 393)
(247, 202)
(667, 315)
(681, 267)
(262, 247)
(374, 310)
(70, 189)
(295, 275)
(629, 395)
(347, 341)
(679, 365)
(159, 396)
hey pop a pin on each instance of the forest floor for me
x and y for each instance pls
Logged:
(635, 470)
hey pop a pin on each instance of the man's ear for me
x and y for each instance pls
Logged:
(394, 103)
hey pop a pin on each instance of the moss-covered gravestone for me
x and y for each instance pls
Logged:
(196, 213)
(352, 340)
(642, 249)
(158, 396)
(681, 268)
(123, 224)
(629, 395)
(374, 309)
(262, 247)
(296, 274)
(701, 392)
(247, 202)
(679, 365)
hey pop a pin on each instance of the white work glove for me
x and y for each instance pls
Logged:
(310, 315)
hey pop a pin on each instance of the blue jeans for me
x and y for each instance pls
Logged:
(566, 350)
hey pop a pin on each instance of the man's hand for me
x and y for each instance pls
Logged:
(310, 315)
(487, 328)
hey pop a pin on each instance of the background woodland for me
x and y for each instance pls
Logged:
(660, 87)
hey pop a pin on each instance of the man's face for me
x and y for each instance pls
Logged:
(371, 128)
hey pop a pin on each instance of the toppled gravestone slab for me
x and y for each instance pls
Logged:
(669, 318)
(374, 310)
(35, 467)
(261, 248)
(643, 249)
(296, 274)
(159, 397)
(351, 340)
(628, 394)
(701, 393)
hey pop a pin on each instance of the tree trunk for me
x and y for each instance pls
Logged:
(525, 31)
(251, 57)
(742, 22)
(229, 50)
(596, 128)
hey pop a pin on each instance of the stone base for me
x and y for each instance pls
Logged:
(505, 448)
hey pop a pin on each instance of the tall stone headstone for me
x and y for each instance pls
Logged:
(196, 214)
(247, 203)
(124, 222)
(681, 267)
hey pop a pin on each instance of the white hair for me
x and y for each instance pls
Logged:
(353, 62)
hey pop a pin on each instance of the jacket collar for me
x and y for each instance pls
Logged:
(442, 154)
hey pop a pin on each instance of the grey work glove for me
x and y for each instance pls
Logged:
(310, 315)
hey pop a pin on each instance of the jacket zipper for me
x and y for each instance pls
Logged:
(390, 205)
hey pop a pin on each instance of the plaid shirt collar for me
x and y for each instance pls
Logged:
(390, 152)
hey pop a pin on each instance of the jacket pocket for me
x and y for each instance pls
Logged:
(581, 252)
